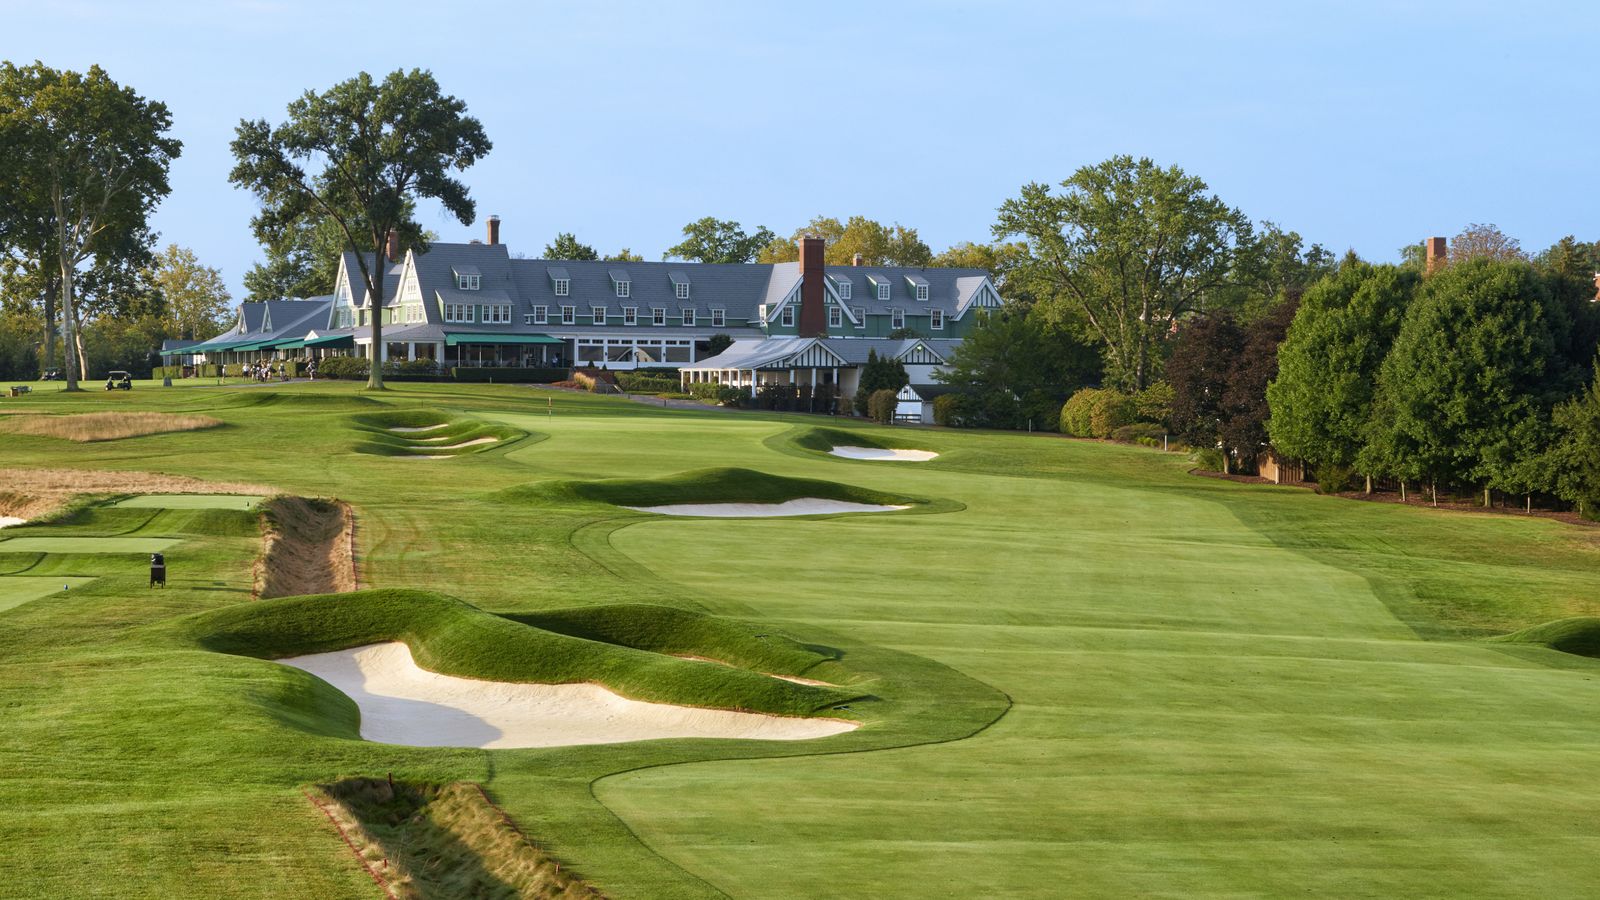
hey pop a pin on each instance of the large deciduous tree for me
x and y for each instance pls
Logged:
(713, 240)
(361, 154)
(567, 246)
(878, 244)
(1479, 241)
(1203, 358)
(193, 298)
(1128, 248)
(85, 163)
(1322, 397)
(1014, 368)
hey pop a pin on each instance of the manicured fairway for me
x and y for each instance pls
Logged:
(85, 544)
(190, 501)
(1091, 673)
(16, 590)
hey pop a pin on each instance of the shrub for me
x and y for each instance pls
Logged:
(948, 410)
(1333, 479)
(1111, 410)
(344, 367)
(411, 367)
(710, 392)
(1209, 459)
(646, 383)
(584, 381)
(508, 374)
(881, 406)
(1154, 403)
(1139, 433)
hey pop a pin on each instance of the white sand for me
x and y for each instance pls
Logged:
(402, 429)
(880, 453)
(402, 703)
(427, 456)
(805, 506)
(7, 521)
(472, 443)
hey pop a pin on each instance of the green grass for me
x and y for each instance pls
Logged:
(16, 590)
(1085, 673)
(85, 544)
(190, 501)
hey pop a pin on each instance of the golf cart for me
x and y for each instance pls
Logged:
(51, 375)
(119, 379)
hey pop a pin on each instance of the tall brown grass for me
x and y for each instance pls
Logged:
(109, 426)
(30, 493)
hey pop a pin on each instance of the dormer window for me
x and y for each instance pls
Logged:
(718, 318)
(835, 317)
(688, 317)
(922, 292)
(883, 292)
(658, 315)
(599, 314)
(621, 283)
(844, 289)
(786, 318)
(469, 282)
(682, 291)
(680, 284)
(897, 318)
(563, 287)
(918, 285)
(560, 281)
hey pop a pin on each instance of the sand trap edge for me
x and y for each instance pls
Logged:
(882, 454)
(801, 506)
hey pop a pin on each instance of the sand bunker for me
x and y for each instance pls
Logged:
(403, 429)
(402, 703)
(805, 506)
(472, 443)
(427, 456)
(8, 521)
(883, 453)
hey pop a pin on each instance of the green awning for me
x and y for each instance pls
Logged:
(452, 340)
(213, 348)
(330, 340)
(291, 345)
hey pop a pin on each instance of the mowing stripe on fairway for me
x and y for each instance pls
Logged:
(86, 544)
(191, 501)
(16, 590)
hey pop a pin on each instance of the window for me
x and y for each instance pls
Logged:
(936, 319)
(897, 318)
(688, 317)
(527, 319)
(541, 315)
(786, 318)
(624, 289)
(460, 312)
(883, 292)
(682, 290)
(844, 290)
(496, 315)
(599, 313)
(569, 315)
(658, 315)
(468, 282)
(922, 292)
(835, 317)
(861, 315)
(630, 315)
(718, 317)
(563, 287)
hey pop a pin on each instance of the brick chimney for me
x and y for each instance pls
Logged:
(858, 260)
(1435, 253)
(1596, 297)
(494, 230)
(391, 246)
(813, 315)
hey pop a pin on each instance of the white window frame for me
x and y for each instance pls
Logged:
(497, 314)
(688, 318)
(527, 319)
(681, 288)
(897, 319)
(569, 315)
(786, 318)
(844, 290)
(461, 313)
(719, 318)
(883, 292)
(541, 315)
(658, 315)
(469, 282)
(922, 292)
(936, 319)
(624, 289)
(630, 315)
(563, 287)
(835, 317)
(861, 316)
(599, 314)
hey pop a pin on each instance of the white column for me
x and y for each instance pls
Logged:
(411, 351)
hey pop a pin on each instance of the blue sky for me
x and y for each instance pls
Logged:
(1360, 125)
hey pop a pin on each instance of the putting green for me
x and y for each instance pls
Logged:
(190, 501)
(16, 590)
(86, 545)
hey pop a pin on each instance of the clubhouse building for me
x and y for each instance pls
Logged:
(475, 305)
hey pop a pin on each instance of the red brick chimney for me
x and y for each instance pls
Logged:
(391, 246)
(494, 230)
(813, 315)
(1596, 297)
(858, 260)
(1434, 251)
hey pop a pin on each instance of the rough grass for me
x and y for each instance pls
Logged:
(428, 840)
(308, 547)
(109, 426)
(37, 492)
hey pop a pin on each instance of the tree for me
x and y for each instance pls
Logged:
(1478, 241)
(1322, 396)
(361, 154)
(194, 299)
(1015, 367)
(86, 161)
(1474, 359)
(878, 244)
(1574, 458)
(1244, 396)
(1203, 358)
(717, 343)
(713, 240)
(302, 260)
(565, 246)
(881, 373)
(1130, 248)
(625, 255)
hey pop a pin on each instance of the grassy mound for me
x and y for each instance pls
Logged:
(305, 399)
(719, 485)
(823, 440)
(443, 437)
(109, 426)
(454, 638)
(431, 840)
(1579, 636)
